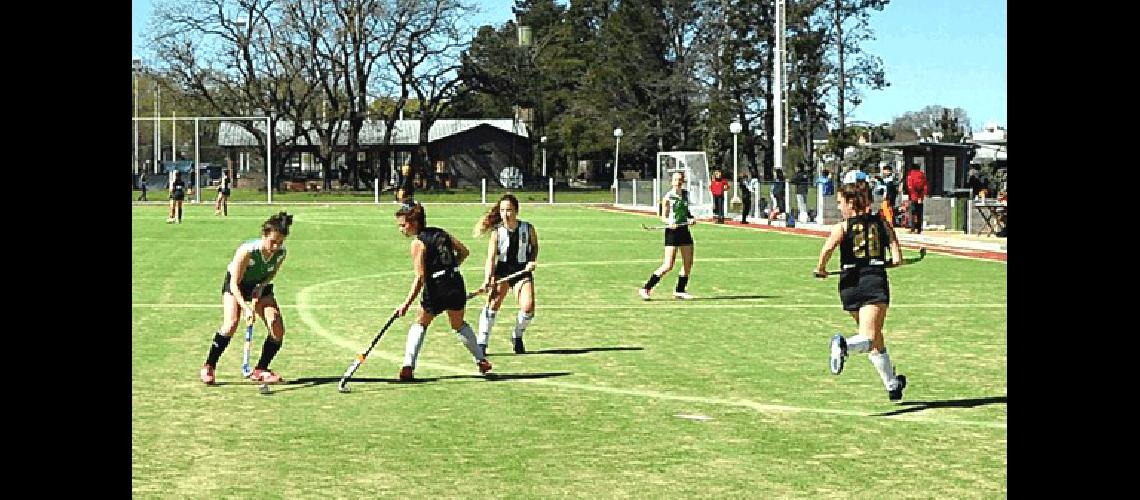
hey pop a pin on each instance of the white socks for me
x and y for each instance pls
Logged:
(882, 362)
(486, 322)
(858, 343)
(523, 322)
(415, 342)
(467, 337)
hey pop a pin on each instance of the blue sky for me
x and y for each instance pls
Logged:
(952, 54)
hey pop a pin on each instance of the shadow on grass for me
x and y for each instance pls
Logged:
(307, 382)
(572, 350)
(916, 406)
(737, 297)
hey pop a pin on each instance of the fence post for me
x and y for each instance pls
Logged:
(376, 188)
(551, 195)
(197, 167)
(635, 192)
(656, 191)
(484, 195)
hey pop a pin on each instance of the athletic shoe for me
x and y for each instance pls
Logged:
(683, 296)
(896, 394)
(406, 374)
(170, 220)
(483, 349)
(644, 293)
(484, 366)
(838, 353)
(264, 376)
(207, 374)
(217, 213)
(519, 348)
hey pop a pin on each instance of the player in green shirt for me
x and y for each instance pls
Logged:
(675, 207)
(251, 274)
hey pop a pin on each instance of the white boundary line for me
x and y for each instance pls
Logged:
(307, 317)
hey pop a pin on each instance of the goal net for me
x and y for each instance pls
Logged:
(696, 168)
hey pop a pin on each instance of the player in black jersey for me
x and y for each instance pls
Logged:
(177, 193)
(513, 247)
(863, 239)
(222, 204)
(436, 257)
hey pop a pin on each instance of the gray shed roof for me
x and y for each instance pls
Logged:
(406, 132)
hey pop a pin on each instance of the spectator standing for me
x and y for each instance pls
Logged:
(747, 187)
(802, 180)
(718, 186)
(826, 184)
(917, 188)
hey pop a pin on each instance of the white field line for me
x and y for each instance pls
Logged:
(307, 317)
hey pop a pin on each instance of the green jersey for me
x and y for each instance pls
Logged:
(678, 208)
(259, 267)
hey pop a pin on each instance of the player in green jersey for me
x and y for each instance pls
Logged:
(677, 219)
(249, 278)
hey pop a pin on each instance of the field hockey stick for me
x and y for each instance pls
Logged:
(245, 369)
(343, 385)
(906, 262)
(506, 278)
(654, 228)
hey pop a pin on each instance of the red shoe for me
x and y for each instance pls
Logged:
(406, 374)
(484, 366)
(264, 376)
(207, 374)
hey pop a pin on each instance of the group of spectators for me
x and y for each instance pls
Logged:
(885, 188)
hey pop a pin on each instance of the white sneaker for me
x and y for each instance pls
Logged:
(170, 220)
(838, 354)
(683, 296)
(643, 293)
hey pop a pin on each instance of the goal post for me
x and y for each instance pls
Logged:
(696, 168)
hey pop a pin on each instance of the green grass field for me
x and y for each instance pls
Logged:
(593, 410)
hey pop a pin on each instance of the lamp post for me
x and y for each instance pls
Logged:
(157, 132)
(735, 128)
(617, 153)
(543, 141)
(136, 65)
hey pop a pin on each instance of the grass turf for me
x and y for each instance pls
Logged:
(592, 411)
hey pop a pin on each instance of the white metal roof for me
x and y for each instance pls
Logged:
(405, 133)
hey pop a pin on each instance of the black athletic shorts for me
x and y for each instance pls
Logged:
(859, 287)
(246, 288)
(224, 191)
(178, 196)
(445, 294)
(504, 269)
(678, 237)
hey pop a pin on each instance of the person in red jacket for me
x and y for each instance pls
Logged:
(718, 186)
(917, 188)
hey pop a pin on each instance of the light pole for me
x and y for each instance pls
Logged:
(543, 141)
(617, 153)
(735, 129)
(157, 132)
(136, 65)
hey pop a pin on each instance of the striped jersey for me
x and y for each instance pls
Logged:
(678, 208)
(514, 246)
(259, 267)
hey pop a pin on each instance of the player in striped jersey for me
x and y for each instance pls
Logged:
(249, 277)
(513, 247)
(677, 219)
(863, 239)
